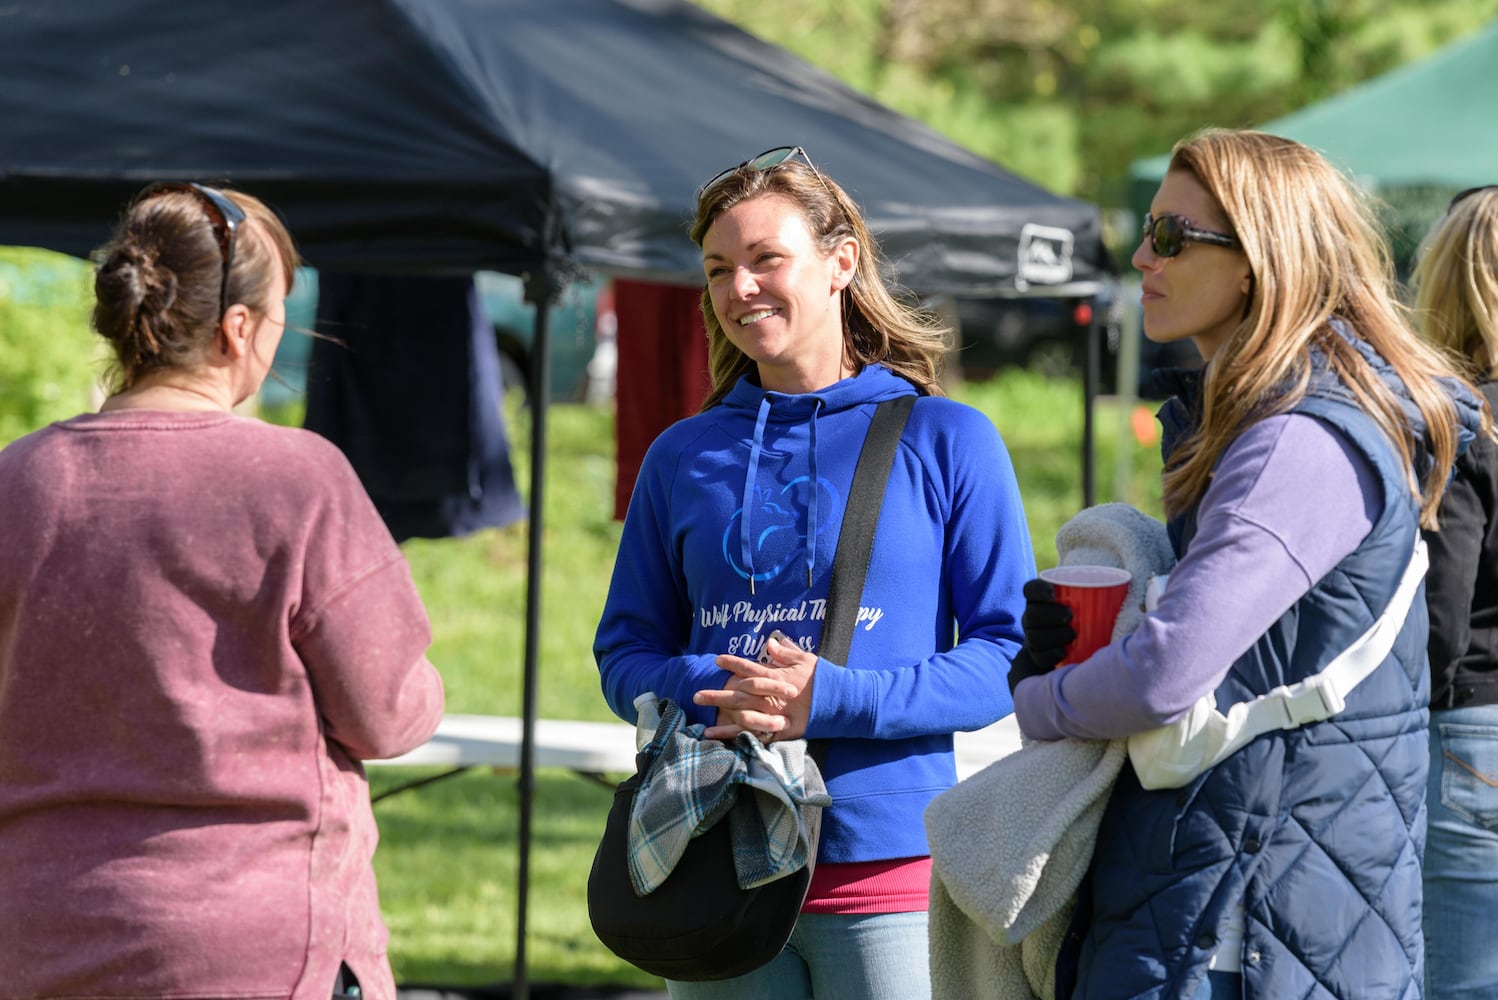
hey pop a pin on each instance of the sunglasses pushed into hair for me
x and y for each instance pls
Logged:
(767, 160)
(1168, 235)
(223, 214)
(1462, 196)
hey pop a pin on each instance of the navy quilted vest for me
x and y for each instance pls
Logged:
(1317, 832)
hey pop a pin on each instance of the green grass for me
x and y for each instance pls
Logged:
(448, 860)
(475, 587)
(447, 866)
(448, 863)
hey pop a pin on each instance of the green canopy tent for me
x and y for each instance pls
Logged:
(1429, 123)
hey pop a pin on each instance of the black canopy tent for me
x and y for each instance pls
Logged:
(534, 137)
(422, 135)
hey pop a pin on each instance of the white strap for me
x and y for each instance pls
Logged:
(1323, 695)
(1172, 755)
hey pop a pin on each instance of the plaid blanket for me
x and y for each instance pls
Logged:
(692, 783)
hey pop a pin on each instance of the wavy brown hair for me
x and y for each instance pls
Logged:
(1316, 253)
(1456, 284)
(878, 327)
(157, 281)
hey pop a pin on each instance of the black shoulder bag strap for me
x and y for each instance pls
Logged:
(855, 540)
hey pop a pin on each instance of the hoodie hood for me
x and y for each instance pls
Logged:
(748, 399)
(874, 384)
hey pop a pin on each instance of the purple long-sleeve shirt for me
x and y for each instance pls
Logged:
(1290, 499)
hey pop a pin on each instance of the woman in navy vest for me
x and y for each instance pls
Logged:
(1300, 465)
(1456, 302)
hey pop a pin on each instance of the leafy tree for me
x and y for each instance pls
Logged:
(1069, 92)
(48, 359)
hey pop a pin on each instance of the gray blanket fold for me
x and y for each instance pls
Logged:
(1010, 844)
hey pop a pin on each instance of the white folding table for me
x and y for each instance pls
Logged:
(599, 749)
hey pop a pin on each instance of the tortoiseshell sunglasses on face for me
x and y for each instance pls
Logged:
(1168, 235)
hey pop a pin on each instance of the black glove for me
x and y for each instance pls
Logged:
(1047, 625)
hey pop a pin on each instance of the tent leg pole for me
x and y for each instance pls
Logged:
(1090, 379)
(540, 404)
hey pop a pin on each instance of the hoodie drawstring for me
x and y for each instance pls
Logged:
(811, 505)
(813, 513)
(755, 447)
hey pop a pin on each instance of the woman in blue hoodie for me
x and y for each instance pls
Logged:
(730, 535)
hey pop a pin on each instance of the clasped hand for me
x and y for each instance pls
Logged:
(771, 700)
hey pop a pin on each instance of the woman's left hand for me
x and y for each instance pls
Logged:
(771, 700)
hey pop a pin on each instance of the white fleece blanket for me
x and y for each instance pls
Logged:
(1010, 844)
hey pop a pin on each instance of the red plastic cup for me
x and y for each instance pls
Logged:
(1095, 595)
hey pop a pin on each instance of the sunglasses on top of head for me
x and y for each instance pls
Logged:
(1168, 235)
(1462, 196)
(767, 160)
(223, 214)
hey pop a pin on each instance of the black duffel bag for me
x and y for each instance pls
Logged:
(698, 924)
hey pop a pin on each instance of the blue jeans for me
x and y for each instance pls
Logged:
(835, 957)
(1461, 854)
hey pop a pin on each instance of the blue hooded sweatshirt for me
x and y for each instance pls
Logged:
(731, 533)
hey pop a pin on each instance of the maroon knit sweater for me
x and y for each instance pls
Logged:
(204, 627)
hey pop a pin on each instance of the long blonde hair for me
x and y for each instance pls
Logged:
(1315, 252)
(1456, 284)
(877, 326)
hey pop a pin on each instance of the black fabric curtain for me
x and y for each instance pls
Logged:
(408, 386)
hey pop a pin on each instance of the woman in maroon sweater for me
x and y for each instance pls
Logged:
(204, 628)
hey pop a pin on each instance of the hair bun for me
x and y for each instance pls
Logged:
(159, 289)
(133, 293)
